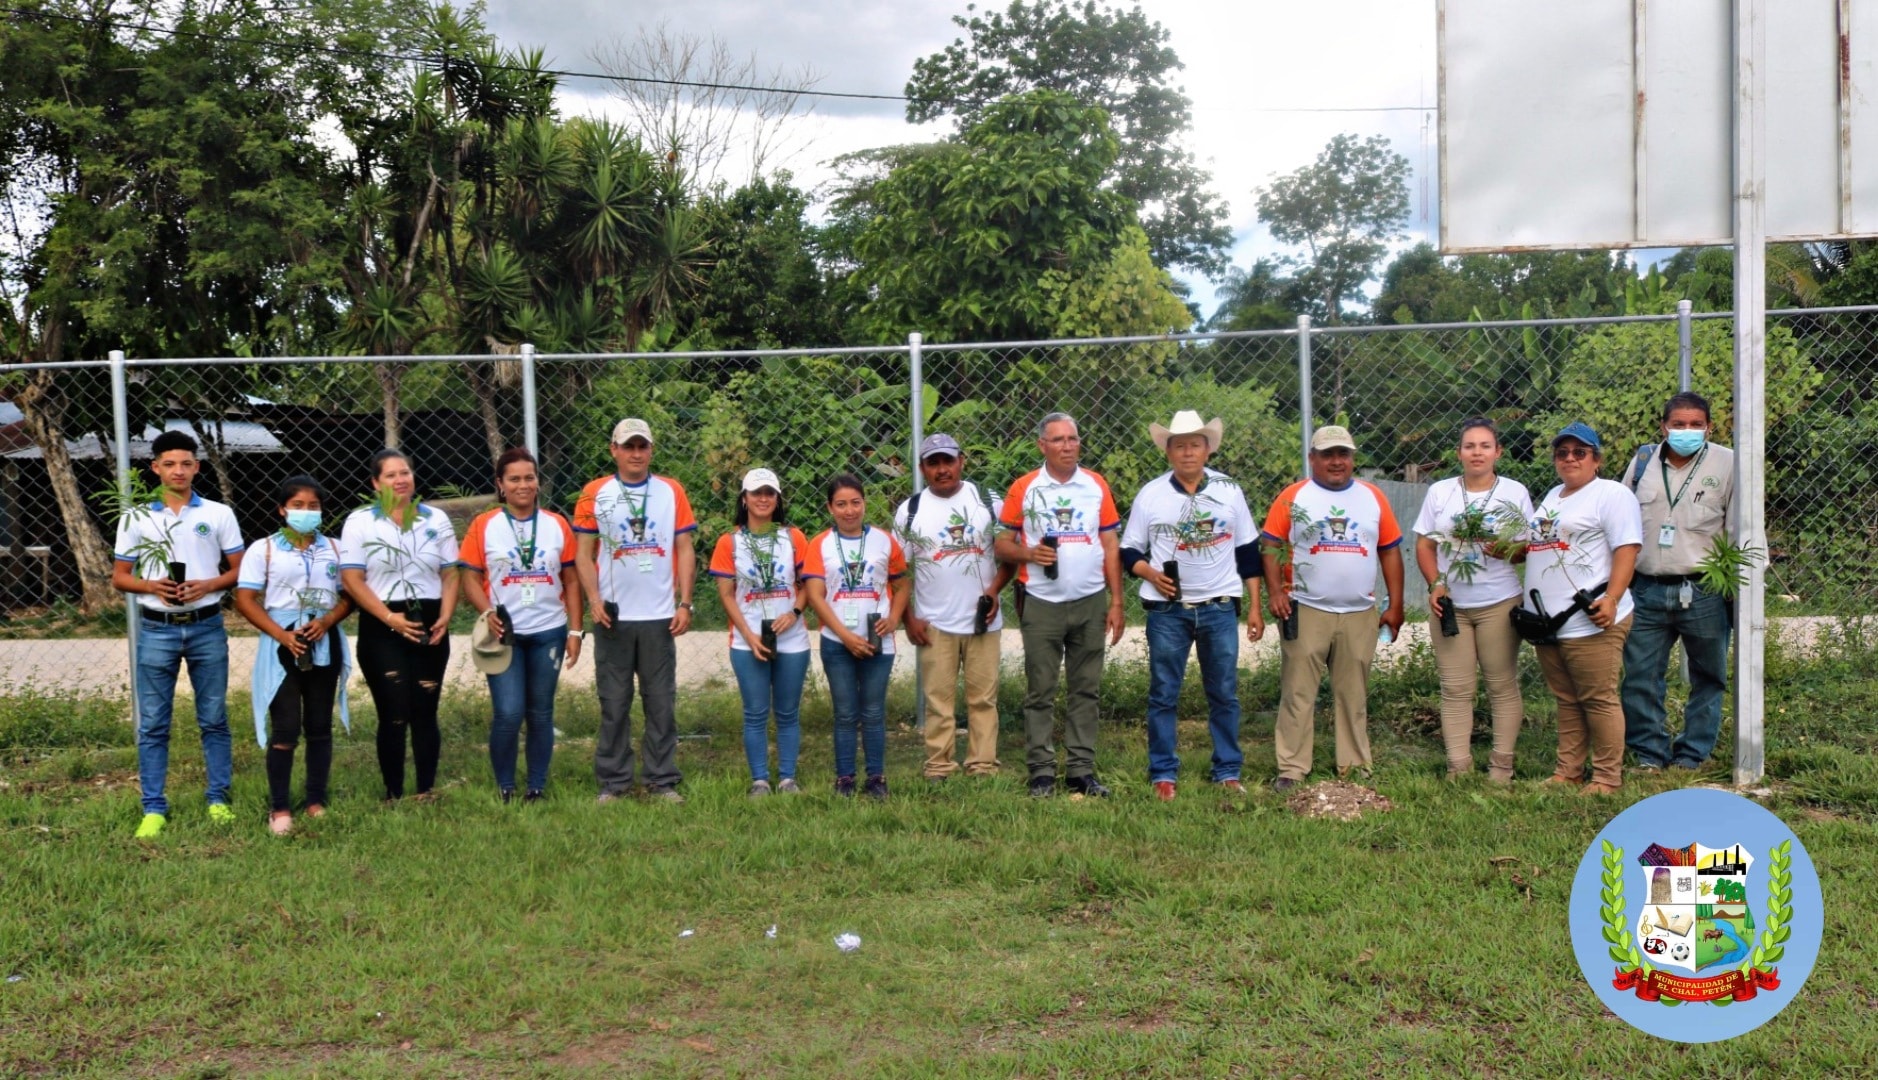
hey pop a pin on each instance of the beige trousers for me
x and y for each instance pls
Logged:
(1487, 645)
(1344, 645)
(939, 665)
(1583, 674)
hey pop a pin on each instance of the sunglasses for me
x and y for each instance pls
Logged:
(1570, 453)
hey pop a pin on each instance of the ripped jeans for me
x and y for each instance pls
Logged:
(406, 680)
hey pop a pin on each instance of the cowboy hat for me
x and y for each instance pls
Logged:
(1187, 422)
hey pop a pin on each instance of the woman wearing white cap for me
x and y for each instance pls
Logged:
(758, 569)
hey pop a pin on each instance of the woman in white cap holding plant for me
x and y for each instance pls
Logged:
(518, 570)
(758, 568)
(1581, 553)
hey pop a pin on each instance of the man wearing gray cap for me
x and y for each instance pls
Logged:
(948, 531)
(634, 534)
(1332, 532)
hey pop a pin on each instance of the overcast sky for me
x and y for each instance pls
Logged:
(1260, 73)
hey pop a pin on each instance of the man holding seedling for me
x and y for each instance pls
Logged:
(1330, 533)
(1685, 485)
(177, 553)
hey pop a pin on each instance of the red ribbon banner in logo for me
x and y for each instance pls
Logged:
(1656, 985)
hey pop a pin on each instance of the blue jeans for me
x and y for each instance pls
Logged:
(765, 685)
(1173, 632)
(858, 690)
(526, 691)
(161, 651)
(1703, 628)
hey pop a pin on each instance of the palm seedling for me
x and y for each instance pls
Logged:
(1724, 569)
(132, 500)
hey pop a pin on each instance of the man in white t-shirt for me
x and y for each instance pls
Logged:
(948, 530)
(1335, 531)
(1194, 521)
(177, 556)
(633, 535)
(1061, 524)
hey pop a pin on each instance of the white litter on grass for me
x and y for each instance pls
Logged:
(686, 933)
(848, 942)
(771, 932)
(16, 978)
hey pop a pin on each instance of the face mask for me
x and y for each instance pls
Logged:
(1685, 443)
(303, 521)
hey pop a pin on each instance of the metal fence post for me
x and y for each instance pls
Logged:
(1750, 381)
(1685, 346)
(120, 433)
(530, 418)
(1304, 393)
(916, 409)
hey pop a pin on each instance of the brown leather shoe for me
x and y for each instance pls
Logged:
(1555, 780)
(1595, 788)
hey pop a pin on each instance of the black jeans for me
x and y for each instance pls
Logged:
(406, 680)
(302, 705)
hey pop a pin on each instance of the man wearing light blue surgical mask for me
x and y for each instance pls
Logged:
(1685, 485)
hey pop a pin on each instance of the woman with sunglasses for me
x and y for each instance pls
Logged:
(857, 584)
(758, 568)
(1582, 546)
(1461, 549)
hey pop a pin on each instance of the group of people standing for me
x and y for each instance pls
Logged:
(1599, 599)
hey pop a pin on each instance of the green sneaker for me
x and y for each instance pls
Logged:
(221, 814)
(150, 826)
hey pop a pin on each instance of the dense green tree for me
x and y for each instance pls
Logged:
(765, 287)
(1342, 209)
(1118, 60)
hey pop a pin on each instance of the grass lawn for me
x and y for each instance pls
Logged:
(1001, 936)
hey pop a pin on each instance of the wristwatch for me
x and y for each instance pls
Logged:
(687, 605)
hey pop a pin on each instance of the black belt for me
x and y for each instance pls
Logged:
(1670, 579)
(182, 618)
(1158, 605)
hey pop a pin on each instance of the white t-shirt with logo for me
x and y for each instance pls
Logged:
(1571, 544)
(765, 569)
(290, 577)
(950, 551)
(399, 564)
(1492, 580)
(858, 572)
(640, 526)
(1336, 538)
(1076, 512)
(200, 536)
(1201, 531)
(522, 561)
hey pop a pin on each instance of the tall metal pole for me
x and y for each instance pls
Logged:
(120, 433)
(1750, 384)
(531, 435)
(1304, 394)
(916, 410)
(1685, 346)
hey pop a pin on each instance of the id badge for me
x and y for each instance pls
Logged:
(851, 615)
(1666, 536)
(528, 592)
(1686, 594)
(645, 564)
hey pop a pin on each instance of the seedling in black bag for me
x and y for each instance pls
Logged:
(873, 631)
(507, 621)
(981, 621)
(1172, 569)
(1450, 620)
(767, 635)
(1288, 626)
(1050, 570)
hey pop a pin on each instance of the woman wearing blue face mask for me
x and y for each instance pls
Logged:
(288, 589)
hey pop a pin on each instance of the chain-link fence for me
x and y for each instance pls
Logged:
(1403, 390)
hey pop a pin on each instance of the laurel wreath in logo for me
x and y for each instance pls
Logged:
(1623, 946)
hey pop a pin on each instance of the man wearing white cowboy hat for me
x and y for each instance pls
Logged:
(1193, 542)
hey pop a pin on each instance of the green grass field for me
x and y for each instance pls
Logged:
(1001, 936)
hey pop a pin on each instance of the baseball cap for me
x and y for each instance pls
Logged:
(1581, 431)
(758, 479)
(938, 443)
(1330, 436)
(630, 427)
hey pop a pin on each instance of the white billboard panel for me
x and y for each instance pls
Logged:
(1606, 123)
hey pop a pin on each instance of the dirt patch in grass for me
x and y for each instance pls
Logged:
(1337, 799)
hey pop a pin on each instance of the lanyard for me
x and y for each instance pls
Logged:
(842, 551)
(1694, 467)
(1487, 499)
(625, 496)
(765, 560)
(525, 550)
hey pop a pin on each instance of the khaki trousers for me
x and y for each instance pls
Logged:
(1583, 674)
(939, 665)
(1487, 645)
(1345, 645)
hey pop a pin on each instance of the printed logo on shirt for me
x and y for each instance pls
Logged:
(958, 536)
(1545, 534)
(202, 528)
(1339, 535)
(764, 578)
(633, 542)
(1200, 531)
(1061, 519)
